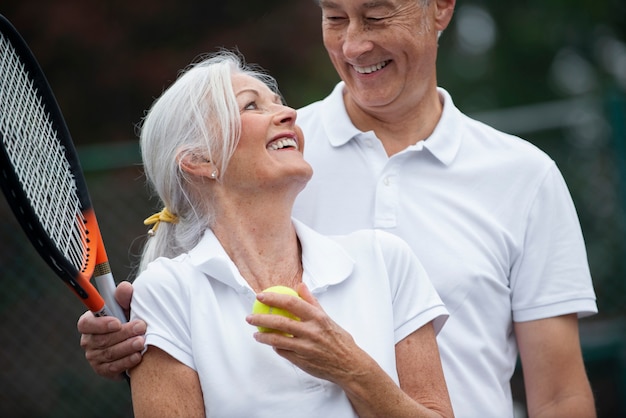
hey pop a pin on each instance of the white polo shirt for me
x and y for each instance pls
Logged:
(195, 306)
(488, 215)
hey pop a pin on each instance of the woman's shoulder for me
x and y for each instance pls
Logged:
(370, 242)
(165, 272)
(374, 237)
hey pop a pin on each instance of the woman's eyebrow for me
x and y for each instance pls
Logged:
(249, 90)
(275, 97)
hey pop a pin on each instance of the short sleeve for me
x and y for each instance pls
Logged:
(159, 300)
(551, 277)
(415, 300)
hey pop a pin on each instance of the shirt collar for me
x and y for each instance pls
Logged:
(338, 126)
(324, 261)
(443, 143)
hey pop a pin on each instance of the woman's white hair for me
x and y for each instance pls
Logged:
(196, 117)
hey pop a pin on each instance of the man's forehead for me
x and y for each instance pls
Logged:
(364, 4)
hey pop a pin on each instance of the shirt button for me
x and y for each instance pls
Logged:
(387, 181)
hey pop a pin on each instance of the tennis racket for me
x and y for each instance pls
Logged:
(42, 179)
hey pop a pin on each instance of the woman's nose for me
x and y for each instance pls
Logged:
(286, 114)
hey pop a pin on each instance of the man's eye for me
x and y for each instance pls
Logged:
(334, 19)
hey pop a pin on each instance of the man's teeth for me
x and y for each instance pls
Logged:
(283, 143)
(371, 68)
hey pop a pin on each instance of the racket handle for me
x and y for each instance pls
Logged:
(106, 287)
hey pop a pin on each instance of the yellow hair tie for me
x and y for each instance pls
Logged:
(164, 216)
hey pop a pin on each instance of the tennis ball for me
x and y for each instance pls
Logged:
(261, 308)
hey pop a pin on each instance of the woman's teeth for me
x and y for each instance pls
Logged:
(283, 143)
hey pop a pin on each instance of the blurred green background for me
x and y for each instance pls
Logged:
(551, 71)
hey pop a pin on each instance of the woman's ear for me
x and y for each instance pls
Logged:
(197, 166)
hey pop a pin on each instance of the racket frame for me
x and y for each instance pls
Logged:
(101, 303)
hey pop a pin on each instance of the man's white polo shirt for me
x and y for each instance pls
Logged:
(488, 215)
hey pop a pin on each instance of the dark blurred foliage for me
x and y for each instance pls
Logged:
(108, 59)
(530, 34)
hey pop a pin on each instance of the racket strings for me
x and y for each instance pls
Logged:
(39, 159)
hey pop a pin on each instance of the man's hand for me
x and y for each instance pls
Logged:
(111, 347)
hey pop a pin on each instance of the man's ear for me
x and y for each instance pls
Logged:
(196, 165)
(445, 10)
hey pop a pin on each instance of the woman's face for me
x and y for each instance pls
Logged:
(269, 151)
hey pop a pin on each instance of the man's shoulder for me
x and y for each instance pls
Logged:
(313, 111)
(499, 141)
(310, 112)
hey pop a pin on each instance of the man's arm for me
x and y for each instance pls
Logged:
(111, 347)
(554, 373)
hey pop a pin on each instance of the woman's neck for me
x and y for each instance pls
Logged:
(262, 242)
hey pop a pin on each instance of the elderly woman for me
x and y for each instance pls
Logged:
(225, 157)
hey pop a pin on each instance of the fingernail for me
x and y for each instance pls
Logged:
(139, 328)
(113, 325)
(138, 344)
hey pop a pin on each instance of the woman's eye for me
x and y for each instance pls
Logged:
(250, 106)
